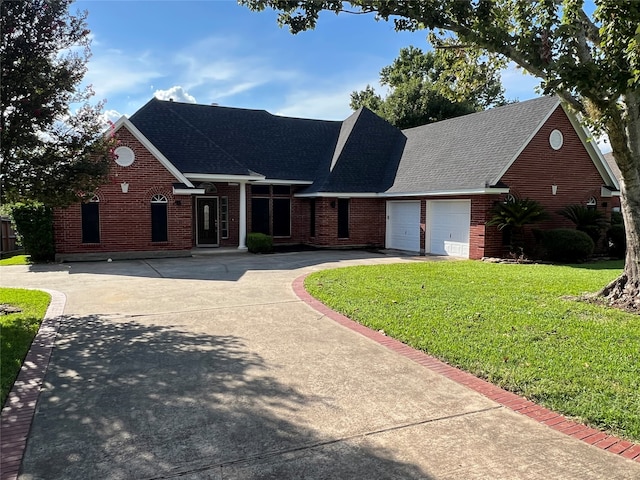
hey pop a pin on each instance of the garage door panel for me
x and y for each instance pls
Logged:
(449, 222)
(403, 226)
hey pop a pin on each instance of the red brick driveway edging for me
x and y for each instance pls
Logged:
(510, 400)
(18, 411)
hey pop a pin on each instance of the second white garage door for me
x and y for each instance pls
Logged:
(448, 232)
(403, 226)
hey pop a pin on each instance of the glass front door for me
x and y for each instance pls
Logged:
(207, 221)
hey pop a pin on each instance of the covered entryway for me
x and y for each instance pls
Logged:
(448, 227)
(207, 221)
(403, 225)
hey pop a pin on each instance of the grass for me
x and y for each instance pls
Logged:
(15, 260)
(17, 331)
(513, 325)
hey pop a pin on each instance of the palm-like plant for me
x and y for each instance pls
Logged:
(513, 215)
(588, 220)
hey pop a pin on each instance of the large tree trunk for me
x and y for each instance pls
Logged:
(624, 134)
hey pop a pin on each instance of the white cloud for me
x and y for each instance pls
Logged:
(110, 116)
(176, 93)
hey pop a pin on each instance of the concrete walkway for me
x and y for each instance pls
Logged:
(212, 368)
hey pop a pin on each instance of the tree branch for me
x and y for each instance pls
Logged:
(592, 32)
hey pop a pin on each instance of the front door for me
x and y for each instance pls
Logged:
(207, 221)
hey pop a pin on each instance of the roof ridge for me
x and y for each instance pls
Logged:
(493, 110)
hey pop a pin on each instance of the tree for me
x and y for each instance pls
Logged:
(48, 153)
(513, 215)
(591, 60)
(424, 87)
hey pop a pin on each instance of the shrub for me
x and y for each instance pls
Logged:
(617, 240)
(33, 223)
(259, 243)
(567, 245)
(588, 220)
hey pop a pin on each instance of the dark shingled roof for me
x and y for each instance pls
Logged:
(365, 158)
(363, 154)
(234, 141)
(468, 152)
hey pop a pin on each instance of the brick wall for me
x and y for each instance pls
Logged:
(125, 218)
(366, 223)
(570, 168)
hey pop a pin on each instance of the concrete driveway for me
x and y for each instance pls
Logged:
(212, 368)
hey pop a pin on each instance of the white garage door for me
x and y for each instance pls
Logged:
(449, 222)
(403, 226)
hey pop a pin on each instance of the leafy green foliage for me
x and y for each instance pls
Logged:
(588, 220)
(48, 152)
(517, 213)
(17, 331)
(567, 245)
(510, 324)
(259, 243)
(426, 87)
(616, 240)
(512, 215)
(33, 223)
(590, 59)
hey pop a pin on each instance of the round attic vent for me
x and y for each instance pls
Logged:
(124, 156)
(556, 139)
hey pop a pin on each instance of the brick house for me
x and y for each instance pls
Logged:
(193, 176)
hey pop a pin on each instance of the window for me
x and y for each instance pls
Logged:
(281, 190)
(592, 203)
(260, 215)
(312, 217)
(224, 217)
(281, 217)
(343, 218)
(90, 213)
(159, 219)
(271, 214)
(260, 189)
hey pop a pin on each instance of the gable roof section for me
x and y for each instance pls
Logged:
(188, 147)
(468, 153)
(126, 123)
(233, 141)
(365, 158)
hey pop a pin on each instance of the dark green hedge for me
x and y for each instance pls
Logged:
(33, 223)
(567, 245)
(259, 243)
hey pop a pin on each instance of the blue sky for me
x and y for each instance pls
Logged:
(215, 51)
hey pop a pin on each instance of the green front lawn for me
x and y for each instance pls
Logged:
(514, 325)
(17, 331)
(15, 260)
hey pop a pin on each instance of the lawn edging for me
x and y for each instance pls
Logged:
(505, 398)
(17, 413)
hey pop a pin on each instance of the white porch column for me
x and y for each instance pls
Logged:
(242, 221)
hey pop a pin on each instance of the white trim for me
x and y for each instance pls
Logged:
(443, 193)
(242, 221)
(440, 193)
(592, 149)
(125, 122)
(213, 177)
(337, 194)
(269, 181)
(524, 145)
(188, 191)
